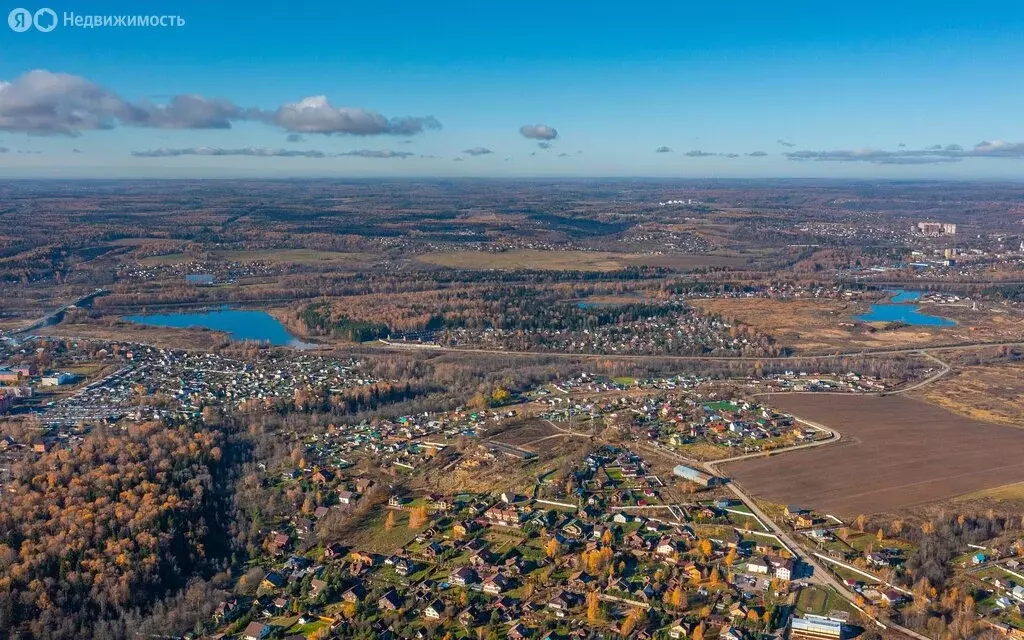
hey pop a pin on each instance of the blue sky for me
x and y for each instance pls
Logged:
(889, 90)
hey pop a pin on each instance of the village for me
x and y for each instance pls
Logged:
(630, 532)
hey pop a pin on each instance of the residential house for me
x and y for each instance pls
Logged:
(227, 610)
(317, 586)
(322, 476)
(257, 631)
(503, 515)
(334, 550)
(461, 529)
(354, 594)
(434, 610)
(404, 567)
(273, 580)
(732, 633)
(469, 617)
(579, 581)
(390, 601)
(463, 576)
(280, 543)
(757, 564)
(561, 602)
(495, 584)
(680, 629)
(784, 568)
(666, 547)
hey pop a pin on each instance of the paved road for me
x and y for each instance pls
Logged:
(54, 316)
(820, 576)
(966, 346)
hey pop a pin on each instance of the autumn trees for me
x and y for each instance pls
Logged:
(90, 533)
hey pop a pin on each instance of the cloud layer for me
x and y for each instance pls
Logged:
(377, 153)
(41, 102)
(478, 151)
(936, 154)
(317, 115)
(263, 152)
(44, 103)
(538, 132)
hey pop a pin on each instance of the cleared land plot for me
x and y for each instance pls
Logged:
(895, 452)
(522, 433)
(570, 260)
(815, 326)
(990, 393)
(271, 256)
(827, 326)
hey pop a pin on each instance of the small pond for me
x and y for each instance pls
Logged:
(240, 324)
(894, 311)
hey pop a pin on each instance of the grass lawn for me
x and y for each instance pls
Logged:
(308, 628)
(703, 451)
(812, 600)
(373, 536)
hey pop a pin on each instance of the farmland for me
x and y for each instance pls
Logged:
(895, 452)
(272, 256)
(567, 260)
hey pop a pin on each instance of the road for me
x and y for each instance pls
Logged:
(55, 316)
(944, 369)
(434, 348)
(819, 576)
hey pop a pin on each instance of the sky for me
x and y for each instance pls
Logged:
(727, 89)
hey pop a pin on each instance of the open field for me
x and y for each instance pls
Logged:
(522, 433)
(270, 256)
(823, 326)
(571, 260)
(990, 393)
(896, 452)
(164, 337)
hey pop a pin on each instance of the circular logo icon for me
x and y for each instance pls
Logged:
(45, 20)
(20, 20)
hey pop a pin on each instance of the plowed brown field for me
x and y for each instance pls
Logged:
(895, 452)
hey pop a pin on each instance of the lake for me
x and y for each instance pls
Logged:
(910, 314)
(240, 324)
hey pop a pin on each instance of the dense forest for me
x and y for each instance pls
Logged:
(92, 536)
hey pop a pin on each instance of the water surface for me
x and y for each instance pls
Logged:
(910, 314)
(240, 324)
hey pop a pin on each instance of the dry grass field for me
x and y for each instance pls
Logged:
(163, 337)
(570, 260)
(271, 256)
(522, 433)
(895, 452)
(814, 326)
(991, 393)
(827, 326)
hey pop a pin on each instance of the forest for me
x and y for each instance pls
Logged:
(91, 537)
